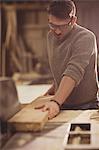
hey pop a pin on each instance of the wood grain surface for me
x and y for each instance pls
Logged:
(29, 119)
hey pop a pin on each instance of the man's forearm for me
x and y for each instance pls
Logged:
(65, 88)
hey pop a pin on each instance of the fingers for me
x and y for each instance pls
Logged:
(51, 107)
(45, 108)
(39, 107)
(52, 113)
(46, 94)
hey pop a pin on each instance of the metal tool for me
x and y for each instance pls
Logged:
(9, 105)
(82, 136)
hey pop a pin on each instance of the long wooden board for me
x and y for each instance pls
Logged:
(29, 119)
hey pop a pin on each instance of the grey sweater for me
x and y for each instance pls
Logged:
(75, 56)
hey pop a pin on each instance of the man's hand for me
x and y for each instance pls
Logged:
(51, 107)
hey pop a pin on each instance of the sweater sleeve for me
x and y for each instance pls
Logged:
(82, 50)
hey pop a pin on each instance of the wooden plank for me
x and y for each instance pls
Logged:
(29, 119)
(64, 116)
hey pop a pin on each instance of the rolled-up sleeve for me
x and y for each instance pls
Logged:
(81, 52)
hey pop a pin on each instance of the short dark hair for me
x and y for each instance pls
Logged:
(62, 8)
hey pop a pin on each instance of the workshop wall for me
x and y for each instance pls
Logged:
(29, 52)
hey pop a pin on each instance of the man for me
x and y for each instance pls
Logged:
(72, 54)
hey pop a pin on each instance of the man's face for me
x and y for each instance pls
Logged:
(59, 26)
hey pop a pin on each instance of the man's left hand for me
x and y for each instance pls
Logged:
(52, 108)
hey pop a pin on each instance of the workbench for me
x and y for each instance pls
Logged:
(54, 131)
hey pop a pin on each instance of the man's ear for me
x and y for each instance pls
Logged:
(73, 20)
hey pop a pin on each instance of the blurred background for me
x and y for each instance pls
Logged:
(23, 31)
